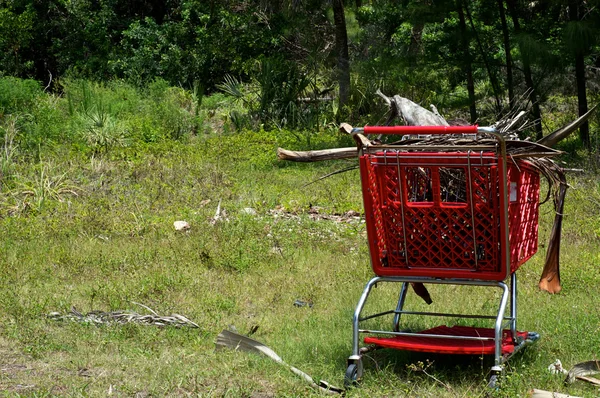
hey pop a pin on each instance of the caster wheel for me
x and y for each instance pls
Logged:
(493, 382)
(351, 377)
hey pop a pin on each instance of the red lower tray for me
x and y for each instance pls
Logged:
(449, 345)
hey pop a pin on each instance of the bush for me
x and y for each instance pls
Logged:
(18, 95)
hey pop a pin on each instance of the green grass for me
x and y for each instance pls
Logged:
(97, 233)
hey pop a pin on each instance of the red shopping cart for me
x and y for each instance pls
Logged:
(440, 214)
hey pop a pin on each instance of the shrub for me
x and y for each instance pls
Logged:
(18, 95)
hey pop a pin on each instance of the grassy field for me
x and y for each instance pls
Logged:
(90, 225)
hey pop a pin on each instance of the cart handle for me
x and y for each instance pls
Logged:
(401, 130)
(362, 141)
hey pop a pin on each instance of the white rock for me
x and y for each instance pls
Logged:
(557, 368)
(181, 225)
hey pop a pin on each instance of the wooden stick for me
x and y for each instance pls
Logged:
(535, 393)
(316, 156)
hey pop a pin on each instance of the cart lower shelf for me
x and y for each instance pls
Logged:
(452, 345)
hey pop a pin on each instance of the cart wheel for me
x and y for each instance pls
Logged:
(351, 377)
(493, 381)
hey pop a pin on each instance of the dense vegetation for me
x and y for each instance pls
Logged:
(118, 118)
(477, 56)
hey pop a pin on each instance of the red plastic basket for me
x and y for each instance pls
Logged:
(439, 214)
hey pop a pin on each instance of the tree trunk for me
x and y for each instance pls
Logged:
(415, 42)
(584, 129)
(508, 56)
(537, 114)
(492, 76)
(465, 42)
(341, 44)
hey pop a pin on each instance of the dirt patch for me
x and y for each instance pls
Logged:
(14, 369)
(22, 374)
(317, 214)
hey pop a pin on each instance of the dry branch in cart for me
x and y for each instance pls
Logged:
(511, 126)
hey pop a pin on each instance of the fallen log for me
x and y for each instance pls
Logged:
(316, 156)
(412, 113)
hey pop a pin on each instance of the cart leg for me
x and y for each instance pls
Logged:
(401, 298)
(513, 305)
(355, 367)
(356, 317)
(497, 368)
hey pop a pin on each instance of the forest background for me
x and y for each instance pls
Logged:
(480, 56)
(118, 118)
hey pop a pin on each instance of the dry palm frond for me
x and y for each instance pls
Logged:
(122, 317)
(583, 369)
(230, 339)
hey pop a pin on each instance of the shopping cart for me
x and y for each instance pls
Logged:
(441, 214)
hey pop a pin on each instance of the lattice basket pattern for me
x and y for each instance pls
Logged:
(523, 213)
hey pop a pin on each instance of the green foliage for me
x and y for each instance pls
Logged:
(280, 84)
(580, 36)
(117, 114)
(43, 187)
(174, 109)
(16, 34)
(193, 44)
(153, 51)
(17, 95)
(36, 117)
(8, 133)
(101, 131)
(281, 95)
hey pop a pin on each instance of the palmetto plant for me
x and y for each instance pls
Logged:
(94, 118)
(274, 96)
(101, 130)
(232, 87)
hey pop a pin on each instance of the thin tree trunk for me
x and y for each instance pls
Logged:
(492, 76)
(537, 114)
(584, 129)
(467, 61)
(415, 42)
(341, 44)
(508, 56)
